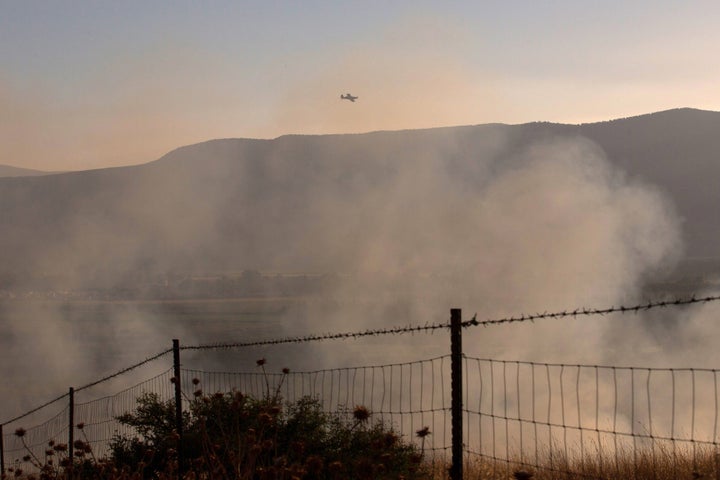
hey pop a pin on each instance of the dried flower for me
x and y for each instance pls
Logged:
(20, 432)
(80, 425)
(361, 413)
(195, 381)
(261, 362)
(423, 432)
(390, 439)
(286, 370)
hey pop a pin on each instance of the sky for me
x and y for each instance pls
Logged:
(94, 84)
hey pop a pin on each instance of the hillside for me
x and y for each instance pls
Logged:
(9, 171)
(311, 203)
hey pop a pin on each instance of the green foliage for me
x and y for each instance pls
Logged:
(232, 435)
(152, 419)
(154, 449)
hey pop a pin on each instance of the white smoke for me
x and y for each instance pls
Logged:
(551, 227)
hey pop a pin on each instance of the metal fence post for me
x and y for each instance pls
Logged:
(71, 426)
(2, 452)
(178, 404)
(456, 470)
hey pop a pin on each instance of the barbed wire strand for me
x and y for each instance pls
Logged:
(38, 408)
(592, 311)
(469, 323)
(399, 330)
(319, 337)
(91, 384)
(124, 370)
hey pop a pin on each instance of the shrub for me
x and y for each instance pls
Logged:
(234, 435)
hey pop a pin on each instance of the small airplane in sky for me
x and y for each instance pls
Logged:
(347, 96)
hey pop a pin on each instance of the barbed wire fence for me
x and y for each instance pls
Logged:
(584, 421)
(591, 421)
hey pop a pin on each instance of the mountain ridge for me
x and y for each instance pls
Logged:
(256, 203)
(658, 114)
(10, 171)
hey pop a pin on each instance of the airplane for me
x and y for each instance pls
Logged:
(347, 96)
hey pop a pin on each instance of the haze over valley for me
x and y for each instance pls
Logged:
(382, 203)
(246, 238)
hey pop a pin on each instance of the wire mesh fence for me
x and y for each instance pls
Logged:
(94, 420)
(591, 421)
(33, 440)
(405, 396)
(588, 421)
(98, 417)
(558, 420)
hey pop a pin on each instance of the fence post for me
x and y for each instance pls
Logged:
(2, 452)
(178, 404)
(456, 470)
(71, 426)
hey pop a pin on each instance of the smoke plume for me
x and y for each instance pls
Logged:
(407, 231)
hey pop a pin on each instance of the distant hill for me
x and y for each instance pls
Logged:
(291, 204)
(8, 171)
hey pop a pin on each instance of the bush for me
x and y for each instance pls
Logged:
(234, 435)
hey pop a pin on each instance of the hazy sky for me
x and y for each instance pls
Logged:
(87, 84)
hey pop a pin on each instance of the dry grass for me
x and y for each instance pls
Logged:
(657, 464)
